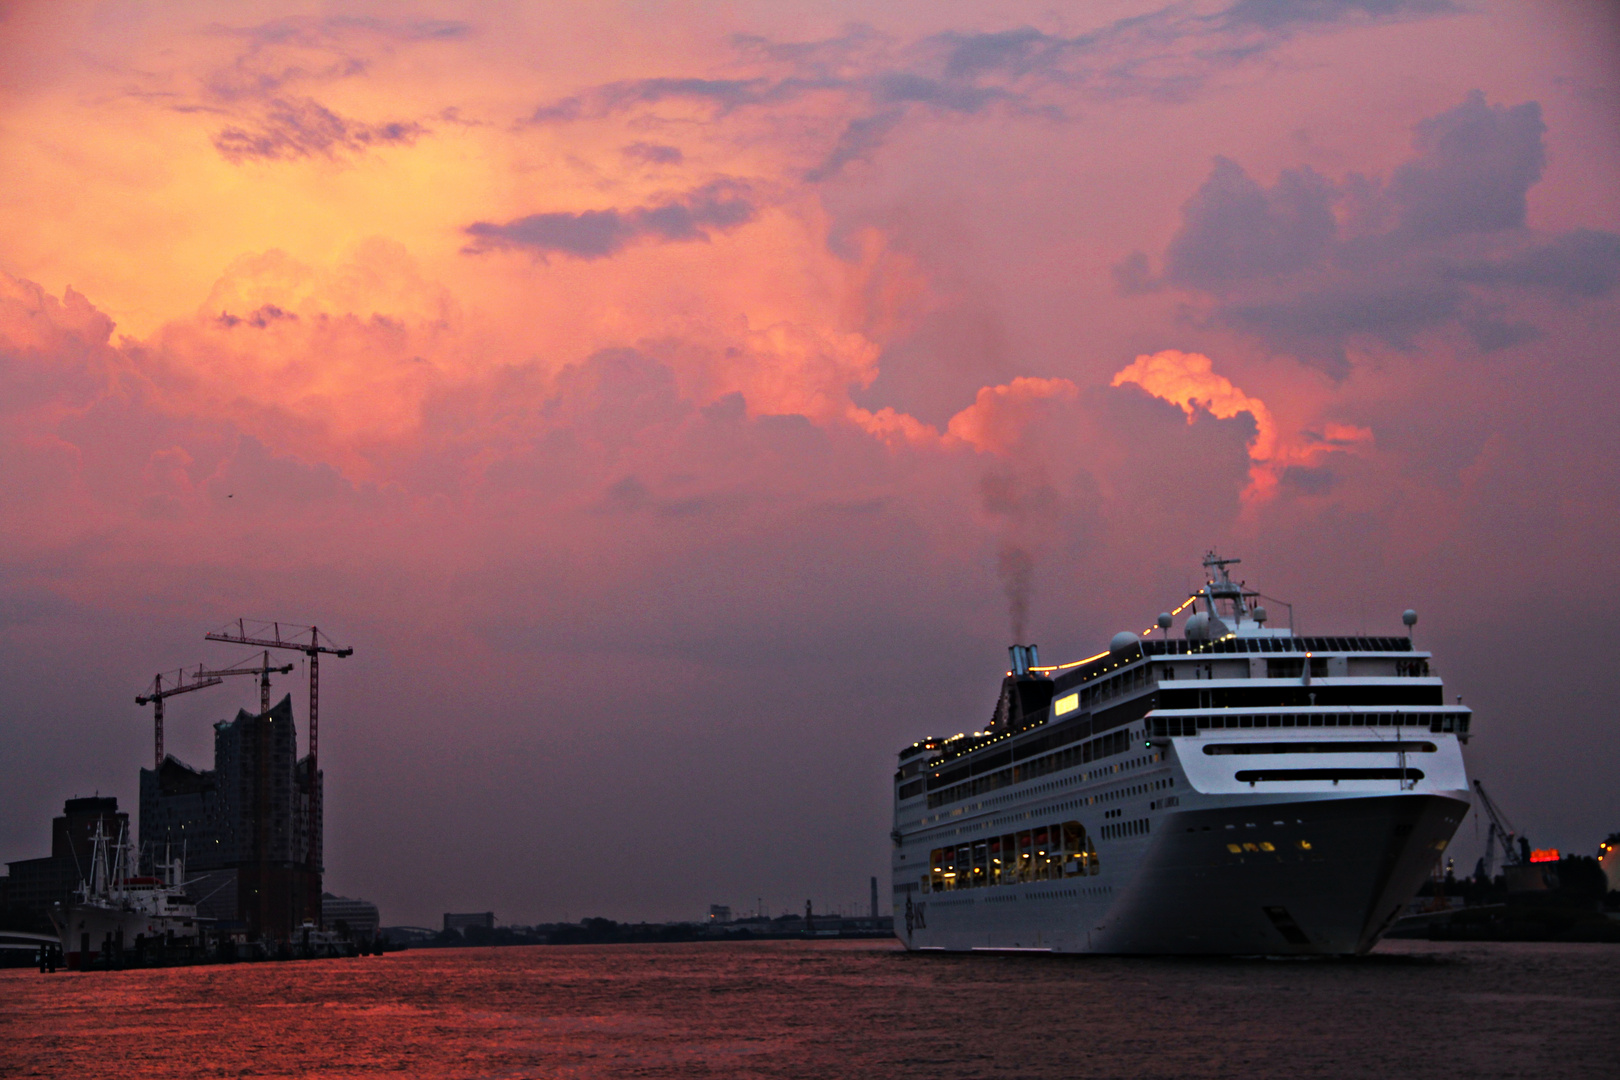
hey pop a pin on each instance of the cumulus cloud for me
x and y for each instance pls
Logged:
(1313, 266)
(1189, 382)
(1233, 229)
(720, 205)
(1472, 169)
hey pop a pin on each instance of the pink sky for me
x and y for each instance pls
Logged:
(661, 399)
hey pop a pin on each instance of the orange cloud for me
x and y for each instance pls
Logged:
(1189, 381)
(998, 419)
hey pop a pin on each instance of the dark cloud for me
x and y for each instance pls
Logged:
(1234, 229)
(407, 30)
(1309, 479)
(1281, 14)
(1310, 265)
(595, 234)
(724, 94)
(269, 87)
(1491, 333)
(1581, 262)
(859, 139)
(1133, 275)
(654, 153)
(1166, 54)
(1315, 325)
(1473, 168)
(259, 318)
(288, 130)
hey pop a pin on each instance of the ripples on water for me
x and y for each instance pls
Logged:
(850, 1009)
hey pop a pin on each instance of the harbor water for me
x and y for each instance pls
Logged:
(827, 1009)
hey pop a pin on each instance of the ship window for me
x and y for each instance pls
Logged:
(1066, 704)
(1235, 849)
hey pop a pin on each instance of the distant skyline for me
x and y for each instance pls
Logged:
(680, 409)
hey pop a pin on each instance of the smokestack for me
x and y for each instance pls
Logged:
(1024, 657)
(874, 898)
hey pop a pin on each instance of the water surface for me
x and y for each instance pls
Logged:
(828, 1009)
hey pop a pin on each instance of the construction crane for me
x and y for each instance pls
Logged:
(263, 671)
(159, 693)
(272, 635)
(1501, 832)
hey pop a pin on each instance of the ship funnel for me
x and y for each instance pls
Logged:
(1023, 658)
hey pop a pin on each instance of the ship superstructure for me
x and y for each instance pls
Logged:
(1236, 789)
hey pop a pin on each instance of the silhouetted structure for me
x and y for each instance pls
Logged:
(252, 814)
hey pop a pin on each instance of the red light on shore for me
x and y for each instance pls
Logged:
(1544, 855)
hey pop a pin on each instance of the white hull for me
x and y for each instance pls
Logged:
(91, 932)
(1178, 889)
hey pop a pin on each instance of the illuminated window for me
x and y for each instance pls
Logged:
(1066, 704)
(1304, 845)
(1267, 845)
(1235, 849)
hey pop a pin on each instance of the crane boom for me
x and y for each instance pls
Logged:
(159, 693)
(1501, 832)
(263, 671)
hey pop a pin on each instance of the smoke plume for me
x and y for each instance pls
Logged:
(1015, 566)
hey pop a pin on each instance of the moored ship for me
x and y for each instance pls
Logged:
(1238, 789)
(119, 914)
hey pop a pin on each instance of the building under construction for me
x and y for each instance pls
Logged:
(249, 829)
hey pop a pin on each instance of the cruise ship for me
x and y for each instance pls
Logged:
(1231, 788)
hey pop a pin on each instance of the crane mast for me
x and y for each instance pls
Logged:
(156, 696)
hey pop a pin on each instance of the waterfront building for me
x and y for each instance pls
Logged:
(243, 825)
(482, 919)
(358, 916)
(37, 885)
